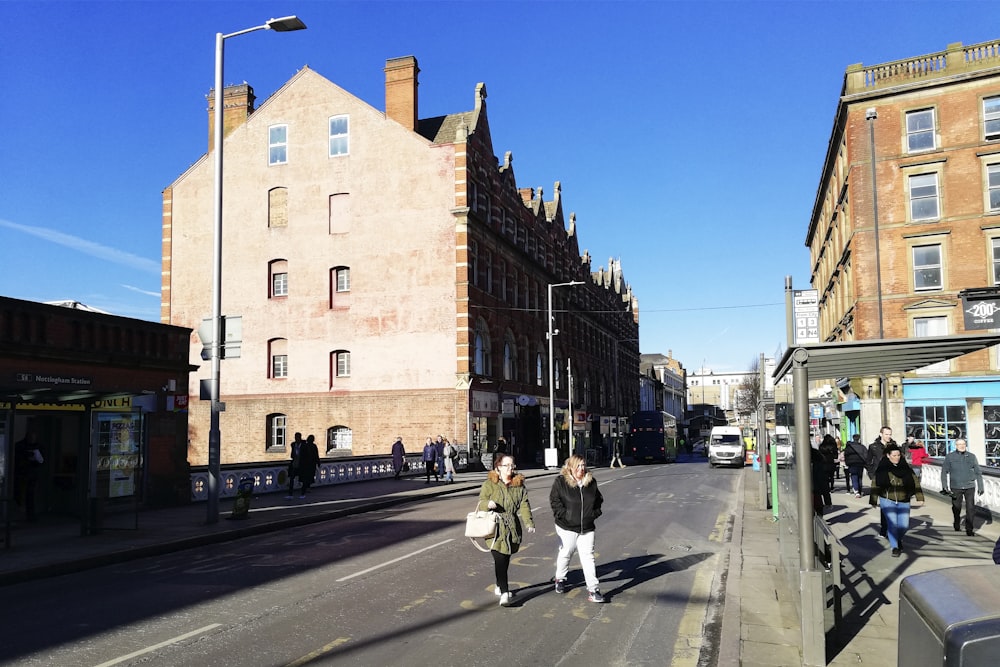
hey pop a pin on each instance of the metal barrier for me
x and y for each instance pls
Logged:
(830, 553)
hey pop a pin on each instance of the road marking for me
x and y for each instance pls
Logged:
(394, 560)
(150, 649)
(687, 647)
(323, 650)
(719, 532)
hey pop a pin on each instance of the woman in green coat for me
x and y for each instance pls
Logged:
(504, 492)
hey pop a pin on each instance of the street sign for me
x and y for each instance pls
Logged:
(805, 311)
(232, 337)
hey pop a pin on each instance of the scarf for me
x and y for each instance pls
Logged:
(888, 475)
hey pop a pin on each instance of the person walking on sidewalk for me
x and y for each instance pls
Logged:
(828, 449)
(892, 488)
(398, 457)
(961, 476)
(918, 455)
(294, 466)
(429, 458)
(876, 451)
(504, 492)
(450, 456)
(616, 453)
(576, 504)
(855, 456)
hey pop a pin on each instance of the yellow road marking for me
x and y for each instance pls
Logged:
(323, 650)
(689, 633)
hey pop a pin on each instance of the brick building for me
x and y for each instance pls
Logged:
(392, 280)
(106, 397)
(891, 257)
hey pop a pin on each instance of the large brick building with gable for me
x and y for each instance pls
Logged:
(392, 280)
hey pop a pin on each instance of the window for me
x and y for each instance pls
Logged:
(993, 185)
(927, 267)
(923, 197)
(509, 359)
(924, 327)
(340, 213)
(488, 267)
(339, 437)
(276, 424)
(339, 136)
(343, 279)
(474, 263)
(939, 425)
(556, 373)
(342, 361)
(278, 270)
(920, 130)
(481, 359)
(277, 207)
(278, 353)
(277, 144)
(991, 118)
(996, 261)
(539, 370)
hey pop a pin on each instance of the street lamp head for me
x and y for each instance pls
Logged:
(286, 24)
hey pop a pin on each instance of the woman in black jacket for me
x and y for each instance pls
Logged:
(576, 504)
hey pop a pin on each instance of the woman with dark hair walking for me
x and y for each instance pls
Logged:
(504, 492)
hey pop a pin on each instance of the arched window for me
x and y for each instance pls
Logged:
(275, 438)
(339, 437)
(481, 359)
(539, 370)
(277, 351)
(509, 358)
(277, 271)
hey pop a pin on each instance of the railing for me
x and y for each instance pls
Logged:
(830, 553)
(272, 476)
(955, 59)
(930, 480)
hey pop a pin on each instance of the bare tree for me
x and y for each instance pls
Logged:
(749, 393)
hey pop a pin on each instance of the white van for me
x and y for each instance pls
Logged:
(783, 445)
(726, 447)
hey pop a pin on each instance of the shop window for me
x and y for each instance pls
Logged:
(937, 425)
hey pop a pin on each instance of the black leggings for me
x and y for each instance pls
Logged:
(501, 563)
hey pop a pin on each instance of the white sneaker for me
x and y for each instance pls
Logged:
(505, 600)
(496, 591)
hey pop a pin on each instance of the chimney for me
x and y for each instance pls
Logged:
(237, 105)
(401, 91)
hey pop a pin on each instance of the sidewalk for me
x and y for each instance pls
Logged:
(769, 631)
(54, 546)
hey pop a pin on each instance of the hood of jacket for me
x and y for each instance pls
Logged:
(571, 479)
(516, 480)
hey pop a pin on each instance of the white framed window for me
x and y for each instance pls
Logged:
(539, 370)
(278, 278)
(277, 144)
(276, 432)
(343, 361)
(339, 437)
(924, 197)
(339, 135)
(279, 366)
(920, 131)
(993, 186)
(995, 243)
(991, 118)
(924, 327)
(927, 267)
(343, 279)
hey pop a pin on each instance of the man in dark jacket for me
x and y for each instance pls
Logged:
(876, 451)
(855, 458)
(961, 475)
(576, 504)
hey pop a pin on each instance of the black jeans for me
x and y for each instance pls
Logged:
(501, 563)
(969, 496)
(429, 470)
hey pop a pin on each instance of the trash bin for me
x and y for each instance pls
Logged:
(950, 617)
(244, 492)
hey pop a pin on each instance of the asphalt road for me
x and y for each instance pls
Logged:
(403, 587)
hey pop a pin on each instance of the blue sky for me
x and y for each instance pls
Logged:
(688, 136)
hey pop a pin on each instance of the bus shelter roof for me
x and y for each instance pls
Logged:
(829, 361)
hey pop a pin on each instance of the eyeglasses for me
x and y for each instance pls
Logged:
(506, 465)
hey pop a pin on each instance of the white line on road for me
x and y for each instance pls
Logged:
(395, 560)
(152, 648)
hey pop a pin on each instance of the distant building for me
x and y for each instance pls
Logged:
(392, 278)
(935, 203)
(672, 380)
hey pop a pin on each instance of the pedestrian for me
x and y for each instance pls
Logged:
(439, 459)
(294, 464)
(855, 458)
(617, 454)
(429, 457)
(817, 472)
(450, 457)
(576, 504)
(996, 552)
(28, 461)
(398, 456)
(892, 488)
(918, 455)
(828, 449)
(961, 476)
(505, 493)
(840, 459)
(308, 465)
(876, 451)
(842, 464)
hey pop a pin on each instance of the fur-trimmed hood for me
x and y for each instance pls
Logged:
(571, 479)
(516, 480)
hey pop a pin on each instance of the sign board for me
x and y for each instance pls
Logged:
(981, 313)
(805, 312)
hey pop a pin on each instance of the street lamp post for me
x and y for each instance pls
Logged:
(285, 24)
(551, 453)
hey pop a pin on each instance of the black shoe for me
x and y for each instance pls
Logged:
(896, 552)
(881, 532)
(957, 526)
(560, 585)
(970, 532)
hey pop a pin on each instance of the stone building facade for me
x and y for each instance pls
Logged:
(391, 278)
(899, 233)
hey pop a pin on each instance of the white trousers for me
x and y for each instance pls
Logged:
(570, 541)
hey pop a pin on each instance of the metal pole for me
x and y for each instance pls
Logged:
(870, 115)
(762, 435)
(803, 456)
(214, 434)
(569, 403)
(551, 456)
